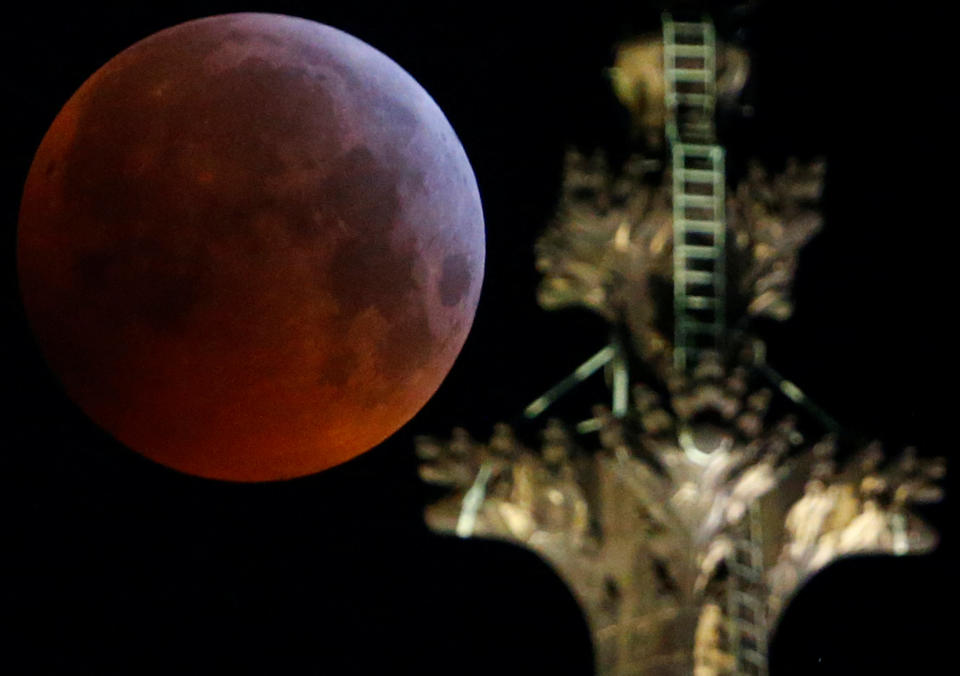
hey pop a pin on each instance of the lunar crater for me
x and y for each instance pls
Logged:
(454, 279)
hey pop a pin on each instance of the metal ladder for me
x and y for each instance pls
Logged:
(699, 278)
(699, 188)
(746, 591)
(690, 70)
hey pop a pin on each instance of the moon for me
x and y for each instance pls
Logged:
(251, 247)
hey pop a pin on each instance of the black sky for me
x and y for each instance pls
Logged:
(119, 566)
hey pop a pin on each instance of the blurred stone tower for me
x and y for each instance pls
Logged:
(687, 511)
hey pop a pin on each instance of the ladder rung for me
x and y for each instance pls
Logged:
(699, 302)
(696, 200)
(696, 277)
(699, 227)
(690, 27)
(695, 149)
(698, 251)
(690, 50)
(689, 74)
(687, 99)
(699, 175)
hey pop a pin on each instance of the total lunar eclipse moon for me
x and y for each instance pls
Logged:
(250, 247)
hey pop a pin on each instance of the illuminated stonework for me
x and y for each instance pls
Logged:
(686, 515)
(690, 523)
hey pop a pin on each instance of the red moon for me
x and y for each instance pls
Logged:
(251, 247)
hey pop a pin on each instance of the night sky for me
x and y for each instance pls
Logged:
(116, 565)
